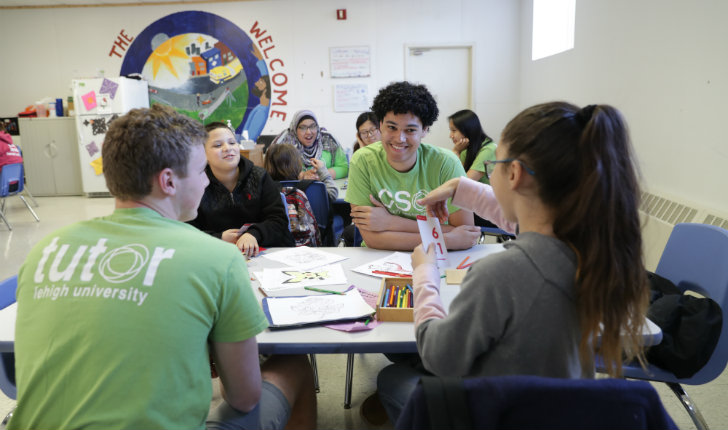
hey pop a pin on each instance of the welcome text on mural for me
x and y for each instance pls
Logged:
(279, 79)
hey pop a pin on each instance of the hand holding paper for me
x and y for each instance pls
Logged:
(431, 233)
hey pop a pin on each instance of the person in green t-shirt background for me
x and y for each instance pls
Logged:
(122, 319)
(473, 147)
(387, 178)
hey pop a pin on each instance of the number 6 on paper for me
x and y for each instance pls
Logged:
(431, 232)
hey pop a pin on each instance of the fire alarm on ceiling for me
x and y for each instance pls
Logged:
(341, 14)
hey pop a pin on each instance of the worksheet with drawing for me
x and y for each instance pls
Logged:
(287, 311)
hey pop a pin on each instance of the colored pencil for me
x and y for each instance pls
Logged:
(321, 290)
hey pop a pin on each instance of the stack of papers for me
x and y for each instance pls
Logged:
(307, 267)
(307, 310)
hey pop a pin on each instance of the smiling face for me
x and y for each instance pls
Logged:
(401, 136)
(369, 133)
(306, 131)
(455, 134)
(222, 150)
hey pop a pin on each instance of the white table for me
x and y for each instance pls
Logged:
(387, 337)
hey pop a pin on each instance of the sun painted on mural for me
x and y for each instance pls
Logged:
(205, 67)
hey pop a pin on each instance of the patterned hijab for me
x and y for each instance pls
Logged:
(289, 136)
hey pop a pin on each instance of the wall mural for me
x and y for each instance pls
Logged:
(205, 67)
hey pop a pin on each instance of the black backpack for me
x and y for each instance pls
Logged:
(690, 327)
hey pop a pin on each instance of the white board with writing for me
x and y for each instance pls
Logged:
(351, 97)
(350, 61)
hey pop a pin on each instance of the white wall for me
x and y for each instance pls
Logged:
(45, 48)
(663, 63)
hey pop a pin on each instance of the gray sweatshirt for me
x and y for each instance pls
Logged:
(515, 315)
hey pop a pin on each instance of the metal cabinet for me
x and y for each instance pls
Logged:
(50, 156)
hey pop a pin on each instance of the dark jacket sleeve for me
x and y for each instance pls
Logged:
(273, 230)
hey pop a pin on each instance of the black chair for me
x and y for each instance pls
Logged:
(533, 402)
(266, 140)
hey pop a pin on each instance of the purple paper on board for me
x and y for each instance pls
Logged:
(371, 299)
(109, 87)
(92, 149)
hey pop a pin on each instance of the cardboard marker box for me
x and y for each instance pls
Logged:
(385, 313)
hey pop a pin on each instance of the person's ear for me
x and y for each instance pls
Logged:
(425, 131)
(167, 181)
(515, 174)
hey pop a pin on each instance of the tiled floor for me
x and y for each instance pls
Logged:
(55, 212)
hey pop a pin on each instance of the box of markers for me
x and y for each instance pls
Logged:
(395, 300)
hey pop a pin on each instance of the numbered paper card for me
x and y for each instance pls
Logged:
(431, 232)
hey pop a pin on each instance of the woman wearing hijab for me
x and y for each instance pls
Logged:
(314, 142)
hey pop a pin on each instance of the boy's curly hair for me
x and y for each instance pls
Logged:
(404, 97)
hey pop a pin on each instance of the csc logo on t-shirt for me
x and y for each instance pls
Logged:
(402, 202)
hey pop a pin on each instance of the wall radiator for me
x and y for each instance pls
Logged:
(660, 214)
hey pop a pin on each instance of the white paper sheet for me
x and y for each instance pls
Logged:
(399, 263)
(311, 309)
(282, 278)
(303, 257)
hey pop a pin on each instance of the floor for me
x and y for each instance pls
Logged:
(55, 212)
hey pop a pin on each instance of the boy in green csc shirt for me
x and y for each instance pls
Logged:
(387, 178)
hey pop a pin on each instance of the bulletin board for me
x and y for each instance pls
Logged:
(350, 61)
(351, 97)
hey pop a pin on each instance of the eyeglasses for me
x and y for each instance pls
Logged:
(369, 133)
(312, 127)
(490, 166)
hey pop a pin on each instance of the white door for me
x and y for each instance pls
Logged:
(447, 73)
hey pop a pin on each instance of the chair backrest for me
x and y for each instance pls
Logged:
(537, 402)
(318, 197)
(7, 291)
(696, 258)
(11, 179)
(266, 140)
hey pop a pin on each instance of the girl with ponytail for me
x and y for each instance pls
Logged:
(567, 176)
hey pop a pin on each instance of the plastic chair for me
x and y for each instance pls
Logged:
(695, 258)
(318, 197)
(533, 402)
(266, 140)
(12, 184)
(7, 359)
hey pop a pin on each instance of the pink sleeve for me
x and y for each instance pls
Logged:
(479, 198)
(428, 304)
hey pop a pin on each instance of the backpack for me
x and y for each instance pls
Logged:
(301, 219)
(690, 327)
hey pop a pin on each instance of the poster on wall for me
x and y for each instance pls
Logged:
(351, 97)
(350, 62)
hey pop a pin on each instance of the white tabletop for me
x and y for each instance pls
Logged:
(386, 337)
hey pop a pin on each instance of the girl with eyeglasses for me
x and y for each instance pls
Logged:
(367, 130)
(472, 145)
(574, 274)
(314, 141)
